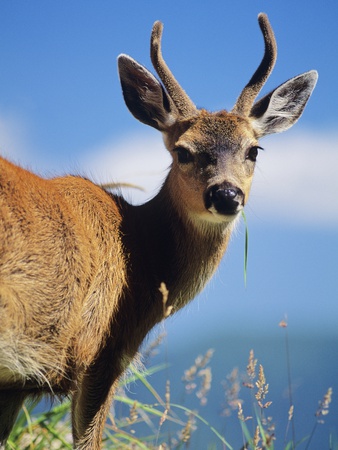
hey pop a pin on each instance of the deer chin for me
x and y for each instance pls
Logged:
(212, 217)
(219, 217)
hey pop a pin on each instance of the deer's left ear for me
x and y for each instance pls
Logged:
(281, 108)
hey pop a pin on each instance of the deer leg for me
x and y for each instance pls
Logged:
(89, 416)
(92, 399)
(10, 405)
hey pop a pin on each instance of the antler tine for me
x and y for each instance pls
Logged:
(180, 99)
(247, 97)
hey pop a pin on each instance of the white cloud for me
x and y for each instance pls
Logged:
(141, 160)
(13, 135)
(296, 178)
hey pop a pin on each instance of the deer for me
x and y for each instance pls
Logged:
(81, 269)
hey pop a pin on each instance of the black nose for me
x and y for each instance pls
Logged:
(225, 199)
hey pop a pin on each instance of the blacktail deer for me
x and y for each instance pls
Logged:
(80, 268)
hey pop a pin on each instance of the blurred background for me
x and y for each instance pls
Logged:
(62, 111)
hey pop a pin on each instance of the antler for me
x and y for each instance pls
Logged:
(247, 97)
(180, 99)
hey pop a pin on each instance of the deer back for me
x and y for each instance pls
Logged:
(61, 258)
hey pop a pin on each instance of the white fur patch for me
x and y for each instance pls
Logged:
(23, 360)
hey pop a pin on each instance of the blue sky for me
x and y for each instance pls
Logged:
(61, 110)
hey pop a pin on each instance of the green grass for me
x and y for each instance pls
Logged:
(49, 430)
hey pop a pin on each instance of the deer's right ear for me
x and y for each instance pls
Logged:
(144, 95)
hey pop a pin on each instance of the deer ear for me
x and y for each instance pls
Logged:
(281, 108)
(144, 95)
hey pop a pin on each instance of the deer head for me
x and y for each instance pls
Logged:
(213, 154)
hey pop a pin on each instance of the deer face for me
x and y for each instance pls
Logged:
(213, 163)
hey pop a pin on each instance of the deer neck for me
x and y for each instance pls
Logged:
(166, 246)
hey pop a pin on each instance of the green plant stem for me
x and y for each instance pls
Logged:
(246, 247)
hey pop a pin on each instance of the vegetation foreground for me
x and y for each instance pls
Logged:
(136, 425)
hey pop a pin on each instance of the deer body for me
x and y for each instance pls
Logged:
(80, 268)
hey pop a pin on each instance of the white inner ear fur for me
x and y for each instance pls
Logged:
(281, 114)
(286, 104)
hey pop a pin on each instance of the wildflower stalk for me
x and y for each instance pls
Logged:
(322, 410)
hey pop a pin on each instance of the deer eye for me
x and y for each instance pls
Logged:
(183, 155)
(253, 152)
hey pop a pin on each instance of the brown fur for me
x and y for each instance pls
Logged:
(80, 269)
